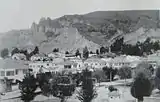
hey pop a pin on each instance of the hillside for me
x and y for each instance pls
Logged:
(93, 30)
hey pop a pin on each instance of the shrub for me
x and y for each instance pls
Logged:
(111, 88)
(125, 72)
(141, 86)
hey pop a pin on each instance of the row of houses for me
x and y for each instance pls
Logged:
(15, 69)
(74, 63)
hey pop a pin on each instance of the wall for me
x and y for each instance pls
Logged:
(151, 99)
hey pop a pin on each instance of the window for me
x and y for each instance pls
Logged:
(2, 73)
(16, 71)
(10, 73)
(24, 71)
(47, 64)
(67, 66)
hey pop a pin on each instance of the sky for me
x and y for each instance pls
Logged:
(19, 14)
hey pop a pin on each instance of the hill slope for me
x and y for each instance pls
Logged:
(94, 29)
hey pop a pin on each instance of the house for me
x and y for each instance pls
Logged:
(95, 63)
(18, 56)
(124, 60)
(45, 66)
(71, 66)
(39, 57)
(12, 69)
(56, 55)
(92, 54)
(108, 61)
(154, 58)
(70, 56)
(78, 62)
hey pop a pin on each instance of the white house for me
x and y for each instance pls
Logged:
(95, 63)
(19, 56)
(124, 60)
(154, 58)
(70, 56)
(56, 55)
(38, 57)
(90, 55)
(45, 66)
(78, 62)
(12, 69)
(108, 61)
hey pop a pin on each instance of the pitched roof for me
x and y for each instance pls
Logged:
(12, 64)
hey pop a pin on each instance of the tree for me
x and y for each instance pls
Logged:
(66, 52)
(117, 45)
(49, 34)
(110, 72)
(88, 91)
(62, 87)
(43, 81)
(157, 78)
(99, 75)
(145, 68)
(85, 53)
(102, 50)
(78, 53)
(15, 50)
(56, 50)
(91, 52)
(4, 53)
(125, 72)
(35, 51)
(97, 52)
(141, 87)
(28, 88)
(156, 45)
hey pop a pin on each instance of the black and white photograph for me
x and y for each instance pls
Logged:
(79, 51)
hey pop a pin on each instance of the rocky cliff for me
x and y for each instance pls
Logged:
(93, 30)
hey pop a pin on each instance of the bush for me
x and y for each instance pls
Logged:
(28, 88)
(111, 88)
(125, 72)
(141, 86)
